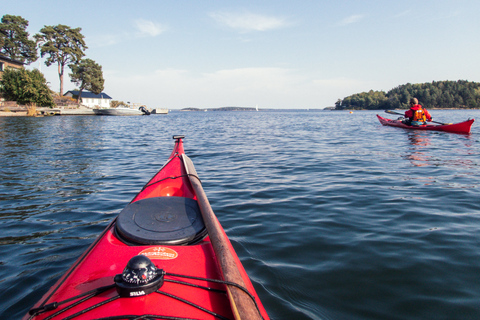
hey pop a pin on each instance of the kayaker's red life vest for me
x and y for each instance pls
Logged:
(417, 113)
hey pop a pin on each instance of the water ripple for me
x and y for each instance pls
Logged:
(333, 215)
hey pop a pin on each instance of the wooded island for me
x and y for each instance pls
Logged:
(459, 94)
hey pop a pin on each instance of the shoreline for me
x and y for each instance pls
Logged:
(13, 114)
(58, 111)
(82, 111)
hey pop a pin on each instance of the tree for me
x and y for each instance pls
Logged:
(63, 45)
(26, 87)
(87, 74)
(116, 103)
(14, 40)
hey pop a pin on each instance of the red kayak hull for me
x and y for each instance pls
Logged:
(461, 127)
(109, 254)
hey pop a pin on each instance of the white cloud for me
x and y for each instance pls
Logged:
(149, 28)
(144, 28)
(245, 22)
(351, 19)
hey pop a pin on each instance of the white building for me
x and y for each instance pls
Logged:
(90, 99)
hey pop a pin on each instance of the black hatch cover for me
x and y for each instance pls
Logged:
(161, 221)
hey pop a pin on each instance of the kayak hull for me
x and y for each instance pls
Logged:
(109, 255)
(461, 127)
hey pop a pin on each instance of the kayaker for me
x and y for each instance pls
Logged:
(416, 115)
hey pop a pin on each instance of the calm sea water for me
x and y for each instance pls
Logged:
(333, 215)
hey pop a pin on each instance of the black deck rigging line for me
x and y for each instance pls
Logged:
(223, 282)
(54, 305)
(196, 286)
(70, 307)
(90, 308)
(192, 304)
(176, 177)
(150, 183)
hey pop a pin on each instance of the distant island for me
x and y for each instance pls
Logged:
(460, 94)
(220, 109)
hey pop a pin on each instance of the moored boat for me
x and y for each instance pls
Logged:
(160, 111)
(165, 256)
(461, 127)
(121, 111)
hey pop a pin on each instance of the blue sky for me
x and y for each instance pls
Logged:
(274, 54)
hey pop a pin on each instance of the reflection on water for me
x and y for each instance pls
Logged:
(458, 150)
(418, 151)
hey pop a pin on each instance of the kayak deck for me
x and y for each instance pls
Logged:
(461, 127)
(109, 258)
(163, 223)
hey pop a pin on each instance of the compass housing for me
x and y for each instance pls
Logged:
(140, 277)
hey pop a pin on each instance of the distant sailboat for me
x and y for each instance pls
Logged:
(256, 107)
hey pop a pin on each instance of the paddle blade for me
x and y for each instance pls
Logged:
(393, 112)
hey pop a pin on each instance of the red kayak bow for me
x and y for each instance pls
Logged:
(165, 256)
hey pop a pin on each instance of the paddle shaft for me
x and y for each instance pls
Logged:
(393, 112)
(242, 304)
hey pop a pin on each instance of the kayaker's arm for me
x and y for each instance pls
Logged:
(393, 112)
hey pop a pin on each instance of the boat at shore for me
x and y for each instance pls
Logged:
(461, 127)
(165, 256)
(159, 111)
(121, 110)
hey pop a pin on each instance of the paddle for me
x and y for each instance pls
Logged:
(243, 306)
(393, 112)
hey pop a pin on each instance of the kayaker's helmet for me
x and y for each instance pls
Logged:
(413, 101)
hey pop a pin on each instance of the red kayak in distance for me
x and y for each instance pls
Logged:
(165, 256)
(461, 127)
